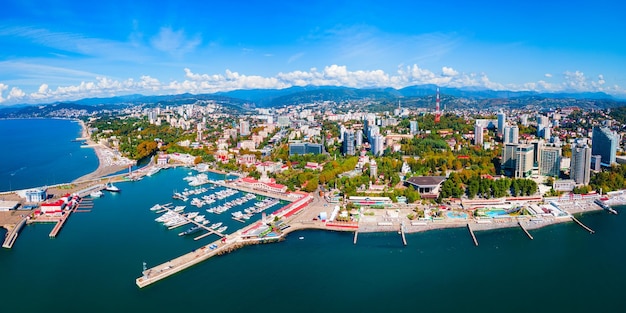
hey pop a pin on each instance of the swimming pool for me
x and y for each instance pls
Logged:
(495, 212)
(456, 215)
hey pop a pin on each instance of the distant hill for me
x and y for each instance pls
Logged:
(413, 96)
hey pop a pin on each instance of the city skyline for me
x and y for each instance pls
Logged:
(70, 50)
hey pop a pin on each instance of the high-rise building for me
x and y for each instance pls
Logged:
(244, 128)
(542, 123)
(547, 133)
(524, 154)
(413, 127)
(518, 159)
(342, 132)
(372, 131)
(501, 123)
(478, 134)
(596, 163)
(377, 145)
(580, 168)
(508, 158)
(348, 142)
(511, 134)
(604, 143)
(549, 160)
(359, 137)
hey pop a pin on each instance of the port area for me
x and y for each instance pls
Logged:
(304, 213)
(13, 221)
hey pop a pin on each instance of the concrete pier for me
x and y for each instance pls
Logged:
(473, 236)
(583, 225)
(178, 264)
(59, 224)
(526, 231)
(12, 235)
(402, 233)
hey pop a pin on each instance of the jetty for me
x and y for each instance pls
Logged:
(59, 224)
(472, 233)
(164, 270)
(525, 230)
(583, 225)
(605, 206)
(12, 235)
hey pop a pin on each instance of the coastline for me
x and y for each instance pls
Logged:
(109, 161)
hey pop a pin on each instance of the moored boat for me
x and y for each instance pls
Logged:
(96, 194)
(111, 188)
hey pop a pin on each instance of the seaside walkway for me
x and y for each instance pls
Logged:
(12, 235)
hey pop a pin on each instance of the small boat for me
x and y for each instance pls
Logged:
(300, 237)
(191, 230)
(216, 225)
(96, 194)
(222, 229)
(112, 188)
(155, 207)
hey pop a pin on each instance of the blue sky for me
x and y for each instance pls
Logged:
(62, 50)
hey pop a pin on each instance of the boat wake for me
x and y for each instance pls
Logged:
(17, 171)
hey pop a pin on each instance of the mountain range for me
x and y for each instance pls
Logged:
(412, 96)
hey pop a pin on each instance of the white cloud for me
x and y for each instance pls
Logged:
(575, 80)
(332, 75)
(548, 75)
(16, 93)
(173, 42)
(3, 87)
(448, 71)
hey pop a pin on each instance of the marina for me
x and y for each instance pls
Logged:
(174, 219)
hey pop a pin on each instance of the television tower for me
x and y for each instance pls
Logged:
(437, 110)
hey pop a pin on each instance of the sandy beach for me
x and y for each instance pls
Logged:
(110, 161)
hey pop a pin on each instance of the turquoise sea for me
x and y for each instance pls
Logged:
(38, 152)
(92, 265)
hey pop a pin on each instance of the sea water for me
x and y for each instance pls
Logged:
(40, 152)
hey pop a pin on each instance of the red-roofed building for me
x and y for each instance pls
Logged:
(54, 208)
(313, 166)
(268, 184)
